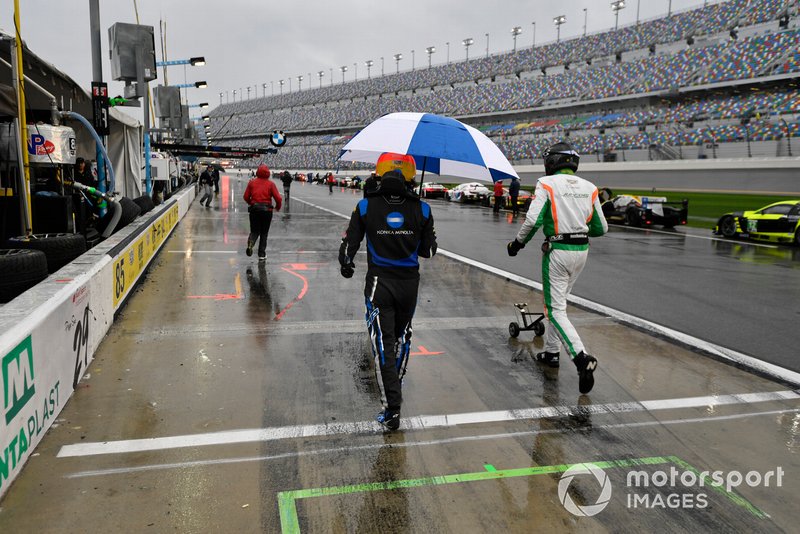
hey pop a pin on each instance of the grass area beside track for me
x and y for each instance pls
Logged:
(705, 208)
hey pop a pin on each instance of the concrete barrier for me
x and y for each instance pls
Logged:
(49, 334)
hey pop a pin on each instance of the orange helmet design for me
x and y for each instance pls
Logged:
(390, 161)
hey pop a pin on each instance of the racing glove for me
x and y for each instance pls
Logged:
(514, 247)
(348, 270)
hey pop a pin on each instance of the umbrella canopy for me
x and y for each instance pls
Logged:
(440, 145)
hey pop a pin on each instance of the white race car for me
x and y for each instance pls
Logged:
(470, 192)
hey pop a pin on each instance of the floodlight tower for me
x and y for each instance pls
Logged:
(369, 63)
(558, 21)
(616, 7)
(397, 58)
(430, 51)
(469, 41)
(515, 31)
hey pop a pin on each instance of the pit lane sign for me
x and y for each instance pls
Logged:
(100, 107)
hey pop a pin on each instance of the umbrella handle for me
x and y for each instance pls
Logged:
(422, 178)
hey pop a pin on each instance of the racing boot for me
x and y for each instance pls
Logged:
(550, 358)
(390, 419)
(586, 365)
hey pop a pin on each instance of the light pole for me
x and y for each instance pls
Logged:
(355, 67)
(331, 78)
(616, 7)
(248, 92)
(227, 98)
(413, 61)
(343, 68)
(534, 35)
(669, 8)
(234, 96)
(448, 52)
(264, 89)
(558, 21)
(300, 83)
(320, 74)
(290, 84)
(515, 31)
(281, 82)
(430, 51)
(638, 2)
(369, 63)
(272, 87)
(469, 41)
(487, 44)
(381, 66)
(585, 19)
(397, 58)
(220, 99)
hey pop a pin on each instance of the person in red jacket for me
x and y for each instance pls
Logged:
(498, 196)
(259, 194)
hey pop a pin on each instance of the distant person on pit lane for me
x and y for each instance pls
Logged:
(259, 195)
(331, 182)
(567, 209)
(286, 178)
(215, 179)
(399, 230)
(513, 193)
(498, 196)
(206, 179)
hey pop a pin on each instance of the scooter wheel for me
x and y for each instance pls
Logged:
(513, 329)
(538, 329)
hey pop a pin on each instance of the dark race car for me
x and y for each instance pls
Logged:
(778, 223)
(643, 211)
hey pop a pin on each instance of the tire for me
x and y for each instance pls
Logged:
(59, 249)
(632, 218)
(513, 329)
(20, 270)
(447, 198)
(727, 226)
(130, 210)
(538, 329)
(145, 203)
(797, 238)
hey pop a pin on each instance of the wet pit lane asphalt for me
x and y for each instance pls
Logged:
(237, 397)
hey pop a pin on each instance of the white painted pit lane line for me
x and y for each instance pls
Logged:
(719, 351)
(409, 444)
(421, 422)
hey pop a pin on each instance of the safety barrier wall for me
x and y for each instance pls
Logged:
(49, 334)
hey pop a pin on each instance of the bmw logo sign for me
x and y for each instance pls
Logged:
(395, 220)
(278, 138)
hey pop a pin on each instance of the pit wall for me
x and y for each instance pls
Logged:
(49, 334)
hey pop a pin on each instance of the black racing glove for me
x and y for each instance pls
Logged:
(348, 270)
(514, 247)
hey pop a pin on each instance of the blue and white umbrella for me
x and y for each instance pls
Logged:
(440, 145)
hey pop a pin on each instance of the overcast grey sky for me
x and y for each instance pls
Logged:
(250, 42)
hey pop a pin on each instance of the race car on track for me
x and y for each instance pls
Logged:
(434, 190)
(778, 222)
(642, 211)
(470, 192)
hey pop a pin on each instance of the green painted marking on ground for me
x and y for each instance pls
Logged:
(490, 468)
(288, 510)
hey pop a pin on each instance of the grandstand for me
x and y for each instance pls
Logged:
(713, 81)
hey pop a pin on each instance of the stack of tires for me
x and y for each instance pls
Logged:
(28, 260)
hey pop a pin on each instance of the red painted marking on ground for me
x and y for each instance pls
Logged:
(64, 280)
(224, 190)
(424, 352)
(291, 268)
(218, 296)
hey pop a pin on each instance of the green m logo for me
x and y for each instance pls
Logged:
(18, 386)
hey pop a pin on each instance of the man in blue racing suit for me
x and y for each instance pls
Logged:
(399, 230)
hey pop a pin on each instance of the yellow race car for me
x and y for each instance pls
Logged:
(778, 223)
